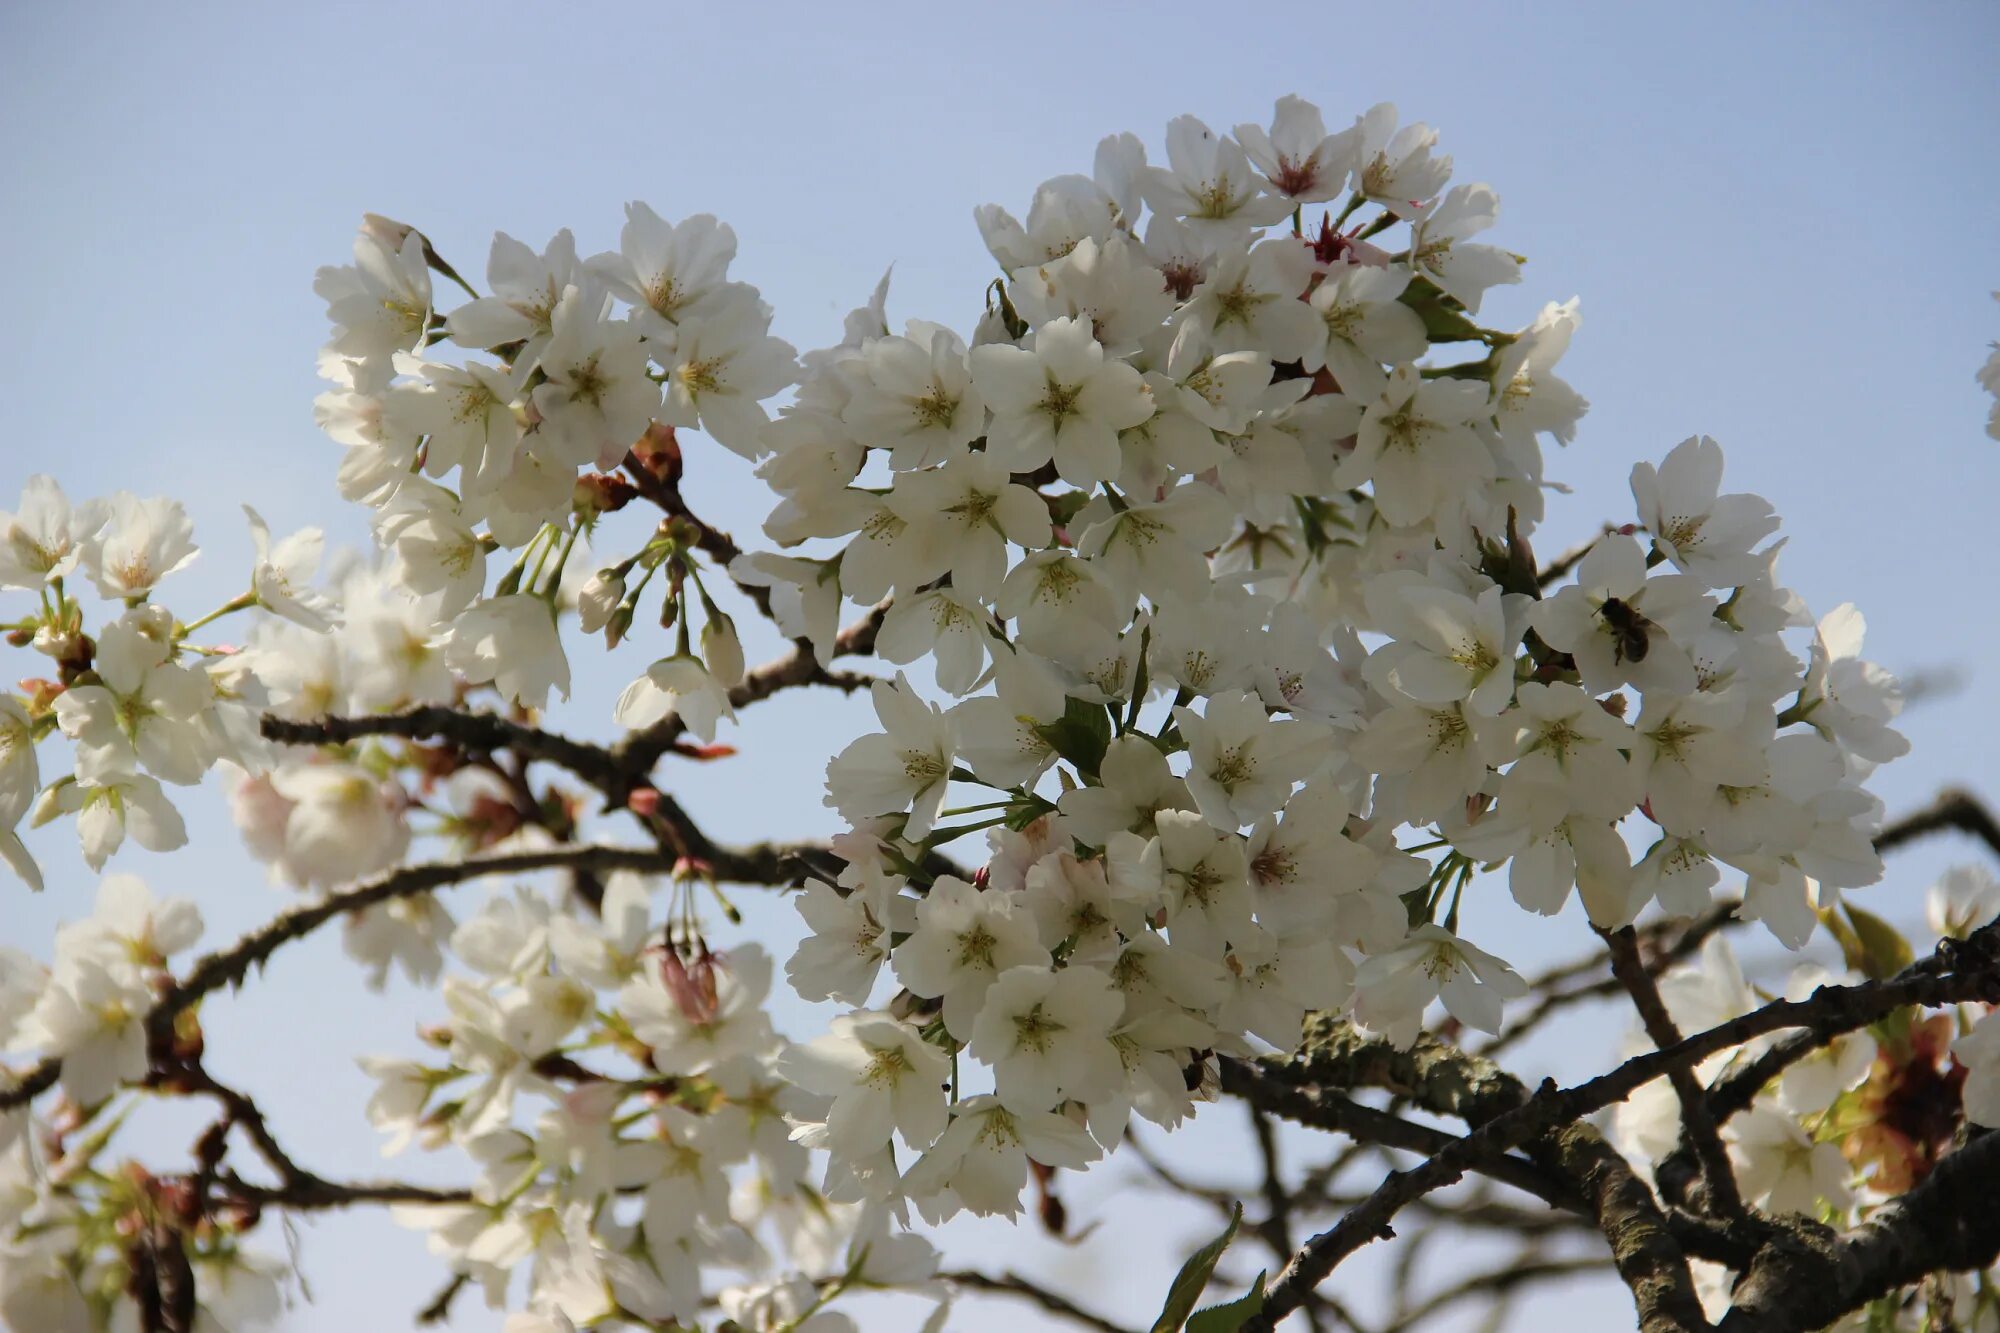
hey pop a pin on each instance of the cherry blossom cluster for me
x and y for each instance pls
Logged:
(1237, 535)
(1207, 554)
(615, 1193)
(63, 1264)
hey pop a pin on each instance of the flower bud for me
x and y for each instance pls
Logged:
(721, 650)
(601, 493)
(48, 805)
(66, 644)
(597, 601)
(991, 329)
(620, 622)
(660, 453)
(386, 230)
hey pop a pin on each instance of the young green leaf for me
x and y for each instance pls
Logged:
(1193, 1278)
(1229, 1316)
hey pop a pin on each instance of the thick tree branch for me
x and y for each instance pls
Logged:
(481, 733)
(1319, 1109)
(1956, 972)
(1946, 1224)
(315, 1193)
(1578, 1170)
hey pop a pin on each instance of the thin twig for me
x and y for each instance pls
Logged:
(638, 752)
(230, 966)
(1498, 1282)
(1954, 810)
(439, 1308)
(1659, 957)
(1013, 1284)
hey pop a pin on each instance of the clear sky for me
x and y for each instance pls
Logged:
(1781, 219)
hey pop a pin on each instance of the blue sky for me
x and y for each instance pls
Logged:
(1782, 231)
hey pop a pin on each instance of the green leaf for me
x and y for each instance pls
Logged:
(1193, 1278)
(1851, 949)
(1229, 1317)
(1884, 951)
(1080, 735)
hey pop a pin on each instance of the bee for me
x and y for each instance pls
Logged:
(1629, 630)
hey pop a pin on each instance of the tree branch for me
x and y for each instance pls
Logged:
(1322, 1110)
(1954, 810)
(1660, 951)
(482, 733)
(1577, 1169)
(638, 752)
(1698, 1126)
(1946, 1224)
(230, 966)
(297, 1187)
(1499, 1282)
(1955, 972)
(1013, 1284)
(314, 1193)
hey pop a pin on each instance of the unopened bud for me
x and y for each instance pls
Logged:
(721, 649)
(660, 453)
(49, 804)
(643, 802)
(71, 649)
(621, 622)
(386, 230)
(602, 493)
(597, 601)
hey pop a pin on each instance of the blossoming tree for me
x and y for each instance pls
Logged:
(1232, 675)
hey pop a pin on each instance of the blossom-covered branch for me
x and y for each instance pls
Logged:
(1225, 710)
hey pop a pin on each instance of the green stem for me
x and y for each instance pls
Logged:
(975, 809)
(940, 836)
(234, 604)
(562, 558)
